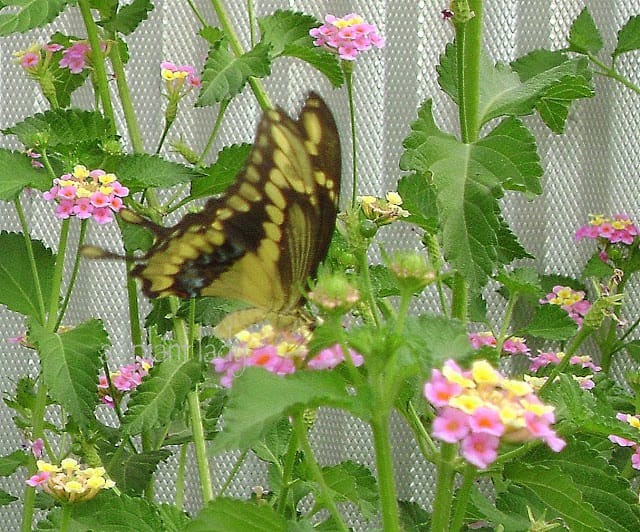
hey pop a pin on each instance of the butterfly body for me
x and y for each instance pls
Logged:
(265, 237)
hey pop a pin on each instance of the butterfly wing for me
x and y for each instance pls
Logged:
(262, 240)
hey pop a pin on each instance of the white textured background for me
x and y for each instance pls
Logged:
(592, 168)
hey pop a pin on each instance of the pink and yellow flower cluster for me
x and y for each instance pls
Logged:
(614, 230)
(126, 379)
(37, 58)
(175, 78)
(479, 408)
(383, 211)
(513, 345)
(348, 35)
(87, 194)
(634, 421)
(278, 352)
(568, 299)
(69, 482)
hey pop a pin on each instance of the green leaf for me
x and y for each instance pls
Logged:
(17, 173)
(161, 395)
(274, 444)
(352, 482)
(383, 281)
(132, 472)
(285, 27)
(633, 348)
(551, 323)
(521, 281)
(62, 127)
(129, 17)
(70, 365)
(6, 498)
(225, 75)
(596, 267)
(65, 82)
(18, 285)
(322, 60)
(419, 198)
(468, 180)
(584, 36)
(173, 519)
(136, 237)
(413, 517)
(556, 490)
(29, 14)
(482, 509)
(628, 37)
(222, 173)
(554, 104)
(141, 171)
(249, 415)
(233, 515)
(10, 463)
(210, 34)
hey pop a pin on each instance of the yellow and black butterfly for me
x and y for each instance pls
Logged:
(264, 238)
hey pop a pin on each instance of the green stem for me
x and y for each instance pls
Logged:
(256, 85)
(221, 111)
(324, 495)
(289, 463)
(134, 315)
(366, 285)
(252, 21)
(56, 281)
(197, 13)
(180, 475)
(66, 518)
(444, 487)
(610, 72)
(234, 472)
(124, 94)
(505, 322)
(74, 275)
(98, 60)
(403, 310)
(32, 259)
(462, 498)
(459, 298)
(384, 466)
(347, 68)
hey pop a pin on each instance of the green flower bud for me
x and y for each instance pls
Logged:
(334, 294)
(411, 271)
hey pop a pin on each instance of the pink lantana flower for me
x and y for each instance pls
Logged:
(179, 80)
(125, 379)
(278, 352)
(618, 229)
(512, 346)
(570, 300)
(347, 36)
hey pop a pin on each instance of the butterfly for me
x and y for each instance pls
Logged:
(264, 238)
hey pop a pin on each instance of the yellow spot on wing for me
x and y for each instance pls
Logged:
(275, 195)
(238, 203)
(276, 214)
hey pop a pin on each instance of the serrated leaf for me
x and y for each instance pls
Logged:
(249, 415)
(383, 281)
(557, 492)
(62, 127)
(6, 498)
(521, 281)
(233, 515)
(482, 509)
(413, 517)
(633, 348)
(225, 75)
(161, 394)
(596, 267)
(19, 291)
(17, 174)
(419, 198)
(211, 35)
(222, 173)
(509, 249)
(136, 237)
(132, 472)
(285, 27)
(468, 180)
(10, 463)
(584, 36)
(555, 103)
(628, 37)
(353, 482)
(173, 519)
(551, 323)
(129, 17)
(322, 60)
(274, 443)
(30, 14)
(141, 171)
(70, 365)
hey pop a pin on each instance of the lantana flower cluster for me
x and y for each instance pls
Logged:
(37, 58)
(87, 194)
(634, 421)
(480, 407)
(573, 301)
(348, 35)
(578, 362)
(70, 482)
(382, 211)
(179, 79)
(125, 379)
(279, 352)
(619, 229)
(513, 345)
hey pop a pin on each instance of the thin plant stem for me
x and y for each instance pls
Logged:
(324, 494)
(289, 463)
(365, 279)
(347, 68)
(74, 275)
(384, 466)
(612, 73)
(180, 476)
(56, 282)
(234, 471)
(221, 111)
(462, 497)
(505, 322)
(197, 13)
(444, 487)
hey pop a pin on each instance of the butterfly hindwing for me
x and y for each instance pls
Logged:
(262, 240)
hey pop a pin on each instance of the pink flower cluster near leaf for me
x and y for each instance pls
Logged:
(513, 345)
(87, 194)
(37, 58)
(634, 421)
(75, 57)
(480, 407)
(578, 362)
(176, 76)
(619, 229)
(348, 35)
(568, 299)
(280, 353)
(126, 379)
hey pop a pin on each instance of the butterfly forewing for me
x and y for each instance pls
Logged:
(262, 240)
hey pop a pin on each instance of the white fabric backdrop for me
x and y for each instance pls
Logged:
(593, 168)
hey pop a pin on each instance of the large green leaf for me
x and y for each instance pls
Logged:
(141, 171)
(10, 463)
(222, 173)
(551, 323)
(233, 515)
(225, 75)
(353, 482)
(469, 179)
(16, 173)
(584, 36)
(132, 472)
(26, 15)
(249, 415)
(129, 17)
(19, 290)
(161, 395)
(70, 365)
